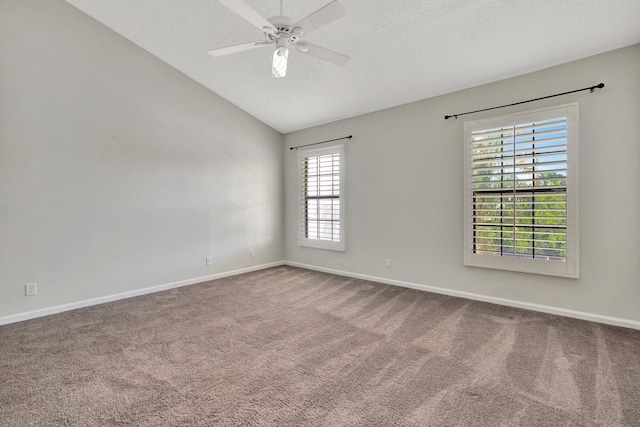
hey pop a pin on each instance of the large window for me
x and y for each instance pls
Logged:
(321, 198)
(521, 192)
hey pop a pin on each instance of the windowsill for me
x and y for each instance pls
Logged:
(322, 244)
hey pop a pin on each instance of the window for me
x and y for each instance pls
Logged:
(321, 198)
(521, 210)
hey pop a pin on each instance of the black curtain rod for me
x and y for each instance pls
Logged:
(316, 143)
(591, 88)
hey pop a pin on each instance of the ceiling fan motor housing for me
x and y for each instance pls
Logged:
(284, 25)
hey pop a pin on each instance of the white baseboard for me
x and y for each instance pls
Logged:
(129, 294)
(615, 321)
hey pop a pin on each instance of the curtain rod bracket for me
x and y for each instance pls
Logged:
(590, 88)
(322, 142)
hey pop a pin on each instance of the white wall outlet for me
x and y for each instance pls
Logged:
(252, 253)
(30, 289)
(388, 263)
(208, 260)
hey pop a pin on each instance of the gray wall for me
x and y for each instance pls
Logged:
(405, 190)
(117, 172)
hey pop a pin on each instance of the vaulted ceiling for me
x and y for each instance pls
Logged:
(401, 51)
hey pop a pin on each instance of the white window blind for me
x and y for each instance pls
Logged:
(521, 202)
(321, 218)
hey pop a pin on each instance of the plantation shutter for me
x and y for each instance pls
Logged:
(519, 190)
(320, 209)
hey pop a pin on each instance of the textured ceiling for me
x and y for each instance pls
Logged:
(401, 51)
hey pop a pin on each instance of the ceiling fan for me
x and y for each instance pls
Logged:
(284, 33)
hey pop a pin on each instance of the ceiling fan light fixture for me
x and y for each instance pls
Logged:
(280, 58)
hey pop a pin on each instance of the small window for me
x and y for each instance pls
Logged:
(321, 198)
(521, 210)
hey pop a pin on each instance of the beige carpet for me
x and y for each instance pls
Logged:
(287, 346)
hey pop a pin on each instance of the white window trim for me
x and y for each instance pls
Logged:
(316, 243)
(570, 268)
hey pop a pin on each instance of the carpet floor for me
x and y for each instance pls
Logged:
(288, 346)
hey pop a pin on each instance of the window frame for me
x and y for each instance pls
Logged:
(303, 240)
(568, 268)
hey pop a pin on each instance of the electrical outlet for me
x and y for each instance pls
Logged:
(208, 260)
(388, 262)
(252, 253)
(30, 289)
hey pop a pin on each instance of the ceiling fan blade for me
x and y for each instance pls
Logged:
(325, 54)
(321, 17)
(245, 11)
(237, 48)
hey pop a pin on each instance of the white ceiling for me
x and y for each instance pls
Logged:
(401, 51)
